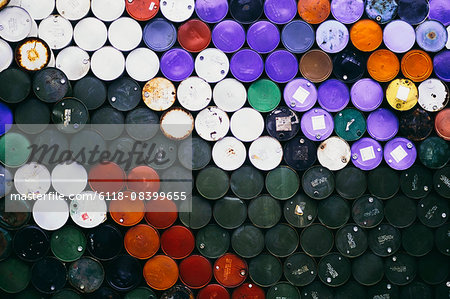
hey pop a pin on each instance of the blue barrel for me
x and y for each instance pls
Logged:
(297, 36)
(431, 36)
(211, 11)
(159, 35)
(177, 64)
(246, 65)
(263, 37)
(281, 66)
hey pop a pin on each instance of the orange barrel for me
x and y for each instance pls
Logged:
(366, 35)
(417, 65)
(442, 124)
(230, 270)
(248, 290)
(160, 272)
(143, 179)
(383, 65)
(161, 213)
(126, 209)
(141, 241)
(314, 11)
(177, 242)
(106, 177)
(195, 271)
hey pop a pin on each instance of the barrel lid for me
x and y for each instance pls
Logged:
(120, 266)
(440, 62)
(69, 178)
(246, 182)
(282, 182)
(19, 149)
(382, 124)
(230, 212)
(439, 11)
(195, 271)
(67, 294)
(416, 290)
(88, 213)
(6, 55)
(73, 109)
(281, 66)
(333, 95)
(383, 65)
(314, 12)
(367, 211)
(140, 123)
(431, 36)
(332, 36)
(280, 12)
(50, 85)
(143, 178)
(178, 291)
(347, 11)
(6, 181)
(68, 243)
(57, 31)
(142, 64)
(317, 124)
(384, 240)
(107, 10)
(212, 123)
(434, 152)
(351, 288)
(106, 177)
(73, 11)
(283, 289)
(86, 274)
(433, 268)
(413, 11)
(91, 91)
(194, 93)
(351, 182)
(177, 123)
(15, 275)
(416, 124)
(297, 36)
(300, 94)
(124, 94)
(381, 11)
(366, 153)
(177, 64)
(409, 62)
(317, 290)
(265, 153)
(417, 239)
(416, 181)
(15, 85)
(395, 42)
(246, 65)
(246, 13)
(384, 288)
(194, 153)
(141, 292)
(15, 220)
(361, 266)
(74, 62)
(107, 63)
(366, 35)
(334, 153)
(229, 36)
(383, 182)
(316, 240)
(300, 211)
(50, 214)
(221, 153)
(263, 37)
(441, 123)
(400, 269)
(177, 10)
(265, 270)
(32, 54)
(247, 124)
(316, 66)
(442, 239)
(247, 241)
(281, 240)
(200, 214)
(105, 292)
(211, 12)
(334, 269)
(434, 95)
(159, 35)
(212, 241)
(30, 243)
(441, 182)
(264, 211)
(433, 210)
(32, 179)
(104, 242)
(142, 10)
(400, 211)
(159, 94)
(16, 22)
(212, 182)
(318, 182)
(248, 290)
(264, 95)
(400, 153)
(229, 95)
(196, 28)
(162, 213)
(351, 240)
(230, 270)
(333, 212)
(350, 124)
(300, 153)
(48, 275)
(300, 269)
(31, 116)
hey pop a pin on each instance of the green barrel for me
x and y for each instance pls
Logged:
(194, 153)
(368, 269)
(50, 85)
(351, 240)
(32, 116)
(212, 182)
(300, 211)
(400, 269)
(384, 240)
(15, 85)
(164, 154)
(400, 211)
(350, 124)
(230, 212)
(416, 182)
(176, 179)
(283, 290)
(68, 243)
(66, 294)
(141, 293)
(17, 219)
(383, 182)
(334, 269)
(265, 270)
(247, 241)
(351, 182)
(107, 121)
(282, 182)
(417, 240)
(442, 239)
(195, 214)
(264, 95)
(91, 91)
(300, 269)
(318, 182)
(264, 211)
(333, 212)
(70, 115)
(16, 149)
(86, 275)
(433, 210)
(349, 290)
(14, 275)
(5, 244)
(416, 290)
(246, 182)
(434, 268)
(441, 182)
(434, 152)
(316, 240)
(48, 275)
(212, 241)
(367, 211)
(281, 240)
(383, 289)
(317, 290)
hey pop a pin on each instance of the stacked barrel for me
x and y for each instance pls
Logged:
(299, 149)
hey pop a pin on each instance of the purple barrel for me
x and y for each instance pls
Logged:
(366, 94)
(246, 65)
(332, 36)
(399, 36)
(280, 11)
(333, 95)
(382, 124)
(228, 36)
(400, 153)
(317, 124)
(211, 11)
(347, 11)
(6, 118)
(300, 95)
(440, 11)
(367, 153)
(441, 64)
(298, 36)
(263, 37)
(177, 64)
(281, 66)
(431, 36)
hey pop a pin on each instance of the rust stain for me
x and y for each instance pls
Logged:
(159, 94)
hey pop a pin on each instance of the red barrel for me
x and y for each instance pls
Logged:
(143, 179)
(161, 213)
(195, 271)
(230, 270)
(177, 242)
(248, 290)
(142, 10)
(213, 291)
(106, 177)
(194, 36)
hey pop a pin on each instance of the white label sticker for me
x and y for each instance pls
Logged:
(399, 153)
(367, 153)
(318, 122)
(301, 95)
(402, 93)
(152, 5)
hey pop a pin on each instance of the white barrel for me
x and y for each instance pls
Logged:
(90, 34)
(38, 10)
(194, 93)
(73, 9)
(107, 10)
(56, 31)
(107, 63)
(265, 153)
(229, 153)
(33, 54)
(433, 95)
(69, 178)
(159, 94)
(229, 95)
(74, 62)
(6, 55)
(212, 65)
(125, 34)
(177, 10)
(142, 64)
(50, 213)
(212, 123)
(32, 179)
(15, 23)
(247, 124)
(334, 153)
(52, 62)
(34, 29)
(177, 124)
(88, 209)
